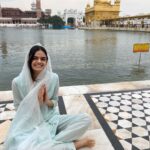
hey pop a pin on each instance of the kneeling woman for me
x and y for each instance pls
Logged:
(37, 124)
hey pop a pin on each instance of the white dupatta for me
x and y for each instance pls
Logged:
(28, 130)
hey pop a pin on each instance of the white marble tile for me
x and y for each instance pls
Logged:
(114, 103)
(141, 143)
(68, 90)
(147, 105)
(141, 84)
(6, 95)
(96, 96)
(125, 115)
(101, 104)
(128, 93)
(76, 104)
(82, 89)
(102, 111)
(140, 131)
(126, 97)
(123, 134)
(106, 95)
(146, 91)
(138, 113)
(1, 110)
(148, 119)
(10, 106)
(126, 102)
(112, 86)
(117, 94)
(4, 127)
(146, 100)
(147, 111)
(137, 101)
(2, 147)
(139, 121)
(116, 98)
(136, 96)
(125, 123)
(113, 126)
(137, 107)
(104, 99)
(102, 142)
(126, 108)
(126, 145)
(95, 100)
(113, 109)
(137, 92)
(7, 115)
(110, 117)
(146, 95)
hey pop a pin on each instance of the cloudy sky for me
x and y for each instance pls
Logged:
(128, 7)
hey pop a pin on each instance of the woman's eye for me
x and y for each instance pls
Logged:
(43, 59)
(35, 58)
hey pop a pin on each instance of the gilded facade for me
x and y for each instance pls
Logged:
(102, 10)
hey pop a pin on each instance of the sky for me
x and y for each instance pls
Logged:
(128, 7)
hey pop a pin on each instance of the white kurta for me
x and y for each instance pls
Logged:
(39, 127)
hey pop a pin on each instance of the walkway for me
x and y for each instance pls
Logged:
(116, 29)
(120, 113)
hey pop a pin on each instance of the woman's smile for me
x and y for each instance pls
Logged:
(39, 62)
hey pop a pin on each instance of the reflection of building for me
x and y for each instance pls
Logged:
(74, 14)
(13, 16)
(102, 10)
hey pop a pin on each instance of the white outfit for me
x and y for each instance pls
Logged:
(39, 127)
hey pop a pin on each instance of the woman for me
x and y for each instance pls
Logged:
(37, 124)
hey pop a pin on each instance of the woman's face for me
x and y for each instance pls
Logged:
(39, 62)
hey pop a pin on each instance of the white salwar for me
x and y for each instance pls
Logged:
(39, 127)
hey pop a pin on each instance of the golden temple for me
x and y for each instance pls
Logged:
(102, 10)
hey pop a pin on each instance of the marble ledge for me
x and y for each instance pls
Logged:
(106, 87)
(92, 88)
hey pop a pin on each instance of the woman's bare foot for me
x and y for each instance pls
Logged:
(87, 142)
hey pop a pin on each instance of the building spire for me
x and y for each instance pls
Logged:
(38, 8)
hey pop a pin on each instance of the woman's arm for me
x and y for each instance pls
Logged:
(16, 95)
(54, 99)
(55, 94)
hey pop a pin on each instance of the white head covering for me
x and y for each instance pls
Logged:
(25, 74)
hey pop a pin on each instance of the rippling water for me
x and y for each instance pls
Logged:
(78, 56)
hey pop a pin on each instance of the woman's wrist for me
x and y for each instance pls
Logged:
(49, 103)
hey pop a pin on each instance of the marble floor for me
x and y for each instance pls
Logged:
(120, 113)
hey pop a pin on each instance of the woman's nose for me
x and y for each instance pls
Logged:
(39, 60)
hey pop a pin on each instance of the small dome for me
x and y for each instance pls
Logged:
(88, 5)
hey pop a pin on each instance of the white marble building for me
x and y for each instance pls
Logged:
(72, 13)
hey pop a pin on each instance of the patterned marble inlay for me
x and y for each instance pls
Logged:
(128, 116)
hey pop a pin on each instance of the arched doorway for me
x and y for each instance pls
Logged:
(71, 21)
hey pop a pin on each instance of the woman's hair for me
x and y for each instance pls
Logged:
(32, 52)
